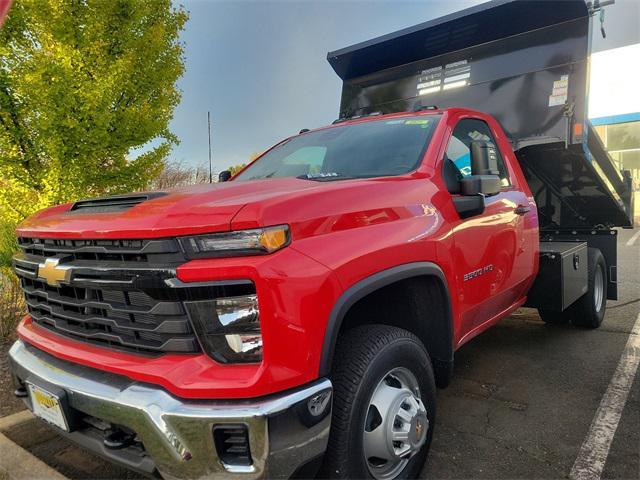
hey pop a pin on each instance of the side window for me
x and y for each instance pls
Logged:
(459, 152)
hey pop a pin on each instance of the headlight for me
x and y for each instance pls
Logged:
(228, 328)
(259, 241)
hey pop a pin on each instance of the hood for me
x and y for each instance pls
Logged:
(309, 207)
(191, 210)
(346, 204)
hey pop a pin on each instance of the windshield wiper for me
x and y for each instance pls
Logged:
(325, 176)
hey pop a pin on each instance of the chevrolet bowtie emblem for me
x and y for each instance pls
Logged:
(52, 273)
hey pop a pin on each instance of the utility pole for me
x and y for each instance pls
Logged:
(210, 167)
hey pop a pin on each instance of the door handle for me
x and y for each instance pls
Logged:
(521, 210)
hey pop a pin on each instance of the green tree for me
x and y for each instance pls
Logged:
(82, 83)
(236, 168)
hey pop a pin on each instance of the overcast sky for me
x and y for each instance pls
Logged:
(260, 66)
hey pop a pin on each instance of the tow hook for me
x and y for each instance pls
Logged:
(118, 439)
(20, 392)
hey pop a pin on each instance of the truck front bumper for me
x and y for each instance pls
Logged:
(175, 437)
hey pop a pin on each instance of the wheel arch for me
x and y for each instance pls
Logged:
(437, 334)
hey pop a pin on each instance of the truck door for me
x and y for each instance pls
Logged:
(493, 256)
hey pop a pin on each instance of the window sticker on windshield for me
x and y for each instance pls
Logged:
(395, 122)
(423, 121)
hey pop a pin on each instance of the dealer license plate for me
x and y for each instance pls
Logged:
(47, 406)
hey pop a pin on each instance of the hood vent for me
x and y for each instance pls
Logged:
(113, 204)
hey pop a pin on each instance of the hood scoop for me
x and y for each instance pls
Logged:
(113, 203)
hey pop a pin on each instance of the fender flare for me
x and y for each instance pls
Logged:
(443, 359)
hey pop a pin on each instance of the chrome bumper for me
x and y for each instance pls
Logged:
(177, 435)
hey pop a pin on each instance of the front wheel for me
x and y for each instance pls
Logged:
(384, 405)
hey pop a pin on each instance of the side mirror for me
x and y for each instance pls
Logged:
(484, 177)
(484, 158)
(470, 203)
(484, 184)
(224, 176)
(484, 180)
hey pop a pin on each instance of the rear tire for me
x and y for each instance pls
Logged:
(553, 318)
(589, 310)
(384, 389)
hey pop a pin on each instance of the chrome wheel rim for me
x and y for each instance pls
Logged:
(598, 288)
(396, 424)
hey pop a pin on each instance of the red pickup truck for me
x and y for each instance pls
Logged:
(298, 318)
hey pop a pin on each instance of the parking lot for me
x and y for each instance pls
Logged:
(521, 403)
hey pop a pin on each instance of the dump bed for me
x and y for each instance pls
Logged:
(525, 63)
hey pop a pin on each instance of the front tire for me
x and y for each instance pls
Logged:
(383, 407)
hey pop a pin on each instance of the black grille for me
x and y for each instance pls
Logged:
(160, 252)
(121, 294)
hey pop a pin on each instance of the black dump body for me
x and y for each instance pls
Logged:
(525, 63)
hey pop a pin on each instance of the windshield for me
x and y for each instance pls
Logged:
(369, 149)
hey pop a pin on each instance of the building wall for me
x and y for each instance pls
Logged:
(614, 104)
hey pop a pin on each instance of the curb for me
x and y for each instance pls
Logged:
(16, 462)
(11, 421)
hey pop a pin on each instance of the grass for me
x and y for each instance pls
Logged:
(11, 304)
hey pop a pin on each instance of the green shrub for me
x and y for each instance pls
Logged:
(11, 303)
